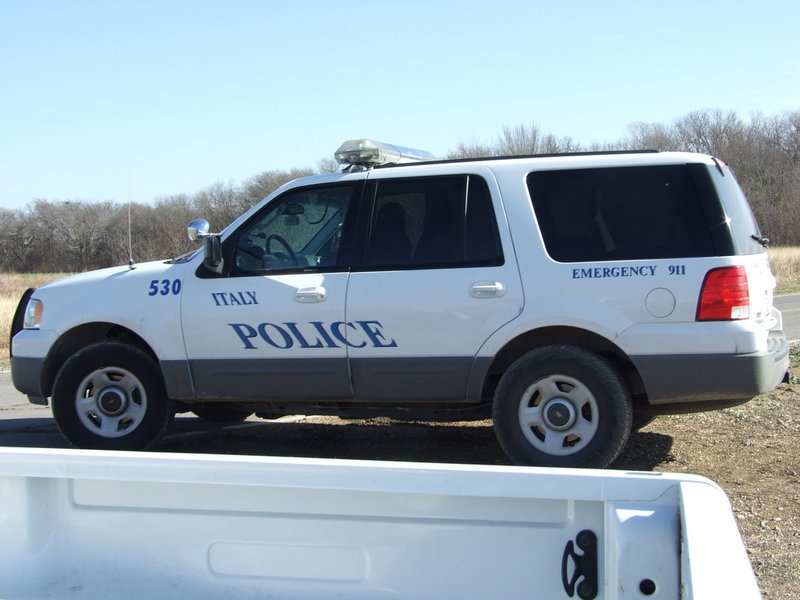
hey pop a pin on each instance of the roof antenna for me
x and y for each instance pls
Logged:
(130, 239)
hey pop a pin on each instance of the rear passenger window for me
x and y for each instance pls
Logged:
(623, 213)
(433, 222)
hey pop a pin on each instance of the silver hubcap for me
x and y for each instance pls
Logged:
(111, 402)
(558, 415)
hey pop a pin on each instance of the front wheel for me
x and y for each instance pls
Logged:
(561, 406)
(111, 396)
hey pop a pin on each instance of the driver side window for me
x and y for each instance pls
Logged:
(299, 231)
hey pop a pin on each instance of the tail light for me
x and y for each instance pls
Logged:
(724, 295)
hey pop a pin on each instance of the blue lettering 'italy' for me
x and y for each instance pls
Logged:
(234, 298)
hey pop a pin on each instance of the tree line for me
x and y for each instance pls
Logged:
(71, 236)
(75, 236)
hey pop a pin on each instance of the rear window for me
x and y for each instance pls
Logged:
(620, 213)
(740, 221)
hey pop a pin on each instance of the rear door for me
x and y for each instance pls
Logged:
(436, 277)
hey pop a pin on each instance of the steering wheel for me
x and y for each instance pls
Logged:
(283, 243)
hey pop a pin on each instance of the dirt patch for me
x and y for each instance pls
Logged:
(752, 451)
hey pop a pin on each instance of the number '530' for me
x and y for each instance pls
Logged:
(165, 287)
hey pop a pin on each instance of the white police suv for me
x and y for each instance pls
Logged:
(570, 297)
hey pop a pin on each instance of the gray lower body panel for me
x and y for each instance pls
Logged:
(411, 379)
(687, 378)
(429, 379)
(177, 379)
(270, 379)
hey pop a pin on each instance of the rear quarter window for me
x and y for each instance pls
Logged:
(621, 213)
(739, 219)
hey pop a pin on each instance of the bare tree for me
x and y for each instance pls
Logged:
(520, 140)
(17, 240)
(328, 165)
(517, 140)
(260, 186)
(472, 149)
(650, 136)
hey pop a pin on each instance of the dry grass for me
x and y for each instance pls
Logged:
(786, 268)
(12, 286)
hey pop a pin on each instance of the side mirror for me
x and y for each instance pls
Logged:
(198, 229)
(212, 253)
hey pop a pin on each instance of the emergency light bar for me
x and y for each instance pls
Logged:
(368, 153)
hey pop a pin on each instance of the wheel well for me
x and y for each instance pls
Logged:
(580, 338)
(83, 335)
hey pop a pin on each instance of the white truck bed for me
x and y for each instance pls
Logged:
(84, 524)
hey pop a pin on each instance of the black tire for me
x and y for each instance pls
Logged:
(639, 421)
(561, 406)
(111, 396)
(221, 413)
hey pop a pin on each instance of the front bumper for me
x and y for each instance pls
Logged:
(26, 374)
(29, 350)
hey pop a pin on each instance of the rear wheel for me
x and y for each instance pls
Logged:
(111, 396)
(562, 406)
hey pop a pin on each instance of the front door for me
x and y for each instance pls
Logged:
(271, 327)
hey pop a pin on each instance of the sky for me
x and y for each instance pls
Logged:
(132, 101)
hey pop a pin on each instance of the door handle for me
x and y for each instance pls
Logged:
(487, 289)
(311, 294)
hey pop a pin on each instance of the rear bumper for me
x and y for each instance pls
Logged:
(709, 378)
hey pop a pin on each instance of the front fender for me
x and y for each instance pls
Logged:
(144, 301)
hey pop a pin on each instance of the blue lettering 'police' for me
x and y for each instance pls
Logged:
(374, 333)
(288, 342)
(245, 333)
(313, 334)
(336, 330)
